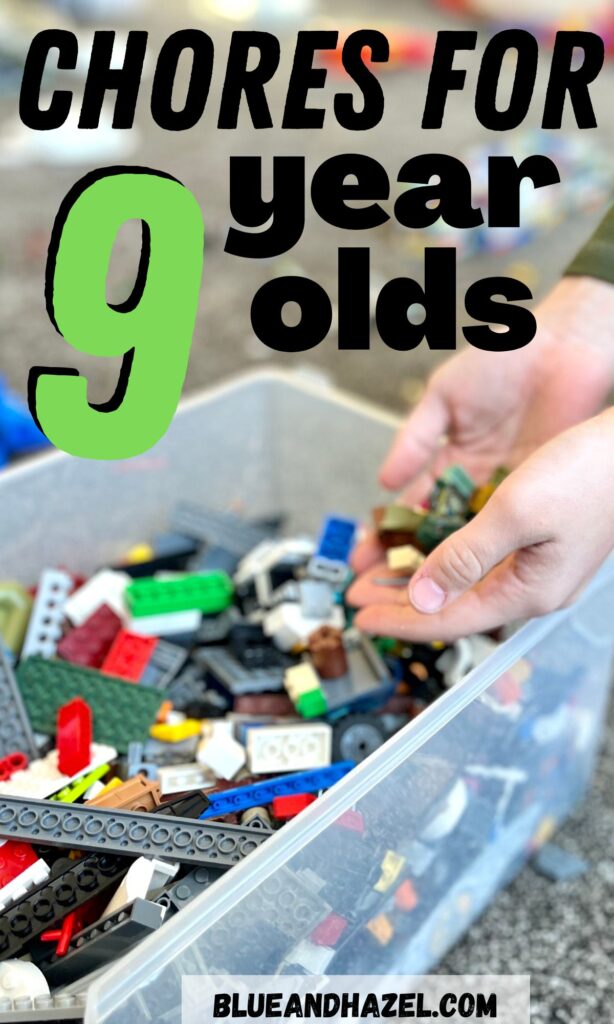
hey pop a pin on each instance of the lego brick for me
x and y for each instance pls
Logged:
(406, 558)
(272, 749)
(47, 617)
(330, 561)
(15, 762)
(222, 755)
(46, 1009)
(74, 737)
(261, 793)
(218, 529)
(209, 593)
(253, 649)
(238, 680)
(277, 705)
(121, 712)
(170, 624)
(15, 728)
(329, 931)
(316, 598)
(176, 732)
(88, 644)
(215, 559)
(327, 652)
(129, 656)
(42, 777)
(15, 609)
(30, 878)
(21, 979)
(72, 883)
(167, 551)
(104, 587)
(14, 858)
(266, 556)
(184, 806)
(137, 794)
(287, 807)
(132, 834)
(75, 790)
(143, 880)
(181, 778)
(178, 895)
(104, 942)
(215, 629)
(557, 864)
(165, 664)
(288, 626)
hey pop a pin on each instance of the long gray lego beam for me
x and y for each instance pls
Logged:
(132, 834)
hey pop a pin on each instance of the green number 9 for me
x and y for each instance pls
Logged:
(152, 331)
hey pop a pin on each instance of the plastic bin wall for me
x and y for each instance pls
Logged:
(442, 816)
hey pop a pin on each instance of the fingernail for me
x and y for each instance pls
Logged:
(426, 595)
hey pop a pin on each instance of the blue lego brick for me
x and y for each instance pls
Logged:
(336, 540)
(18, 431)
(558, 864)
(261, 793)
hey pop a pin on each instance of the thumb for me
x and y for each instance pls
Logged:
(416, 442)
(464, 558)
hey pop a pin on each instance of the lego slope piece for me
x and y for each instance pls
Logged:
(105, 587)
(15, 729)
(121, 712)
(33, 876)
(14, 858)
(104, 941)
(281, 748)
(144, 879)
(45, 625)
(81, 827)
(209, 592)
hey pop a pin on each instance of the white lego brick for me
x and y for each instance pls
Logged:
(222, 755)
(406, 558)
(184, 778)
(288, 625)
(463, 656)
(266, 555)
(316, 597)
(34, 875)
(314, 959)
(143, 880)
(300, 679)
(42, 778)
(20, 979)
(105, 587)
(169, 624)
(289, 748)
(48, 613)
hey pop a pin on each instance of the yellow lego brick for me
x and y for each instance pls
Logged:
(140, 553)
(110, 786)
(392, 866)
(406, 558)
(176, 733)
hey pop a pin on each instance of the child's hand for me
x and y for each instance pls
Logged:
(494, 408)
(535, 544)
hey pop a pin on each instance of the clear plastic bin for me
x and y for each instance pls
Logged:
(445, 813)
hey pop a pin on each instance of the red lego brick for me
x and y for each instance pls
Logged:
(89, 644)
(406, 897)
(12, 763)
(129, 655)
(352, 820)
(329, 931)
(14, 858)
(74, 737)
(285, 807)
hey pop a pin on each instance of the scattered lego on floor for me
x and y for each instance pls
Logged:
(164, 717)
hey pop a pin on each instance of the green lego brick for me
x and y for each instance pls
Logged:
(435, 529)
(209, 592)
(400, 519)
(74, 790)
(122, 712)
(457, 478)
(15, 609)
(312, 704)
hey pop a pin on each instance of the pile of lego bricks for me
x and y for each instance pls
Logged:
(161, 719)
